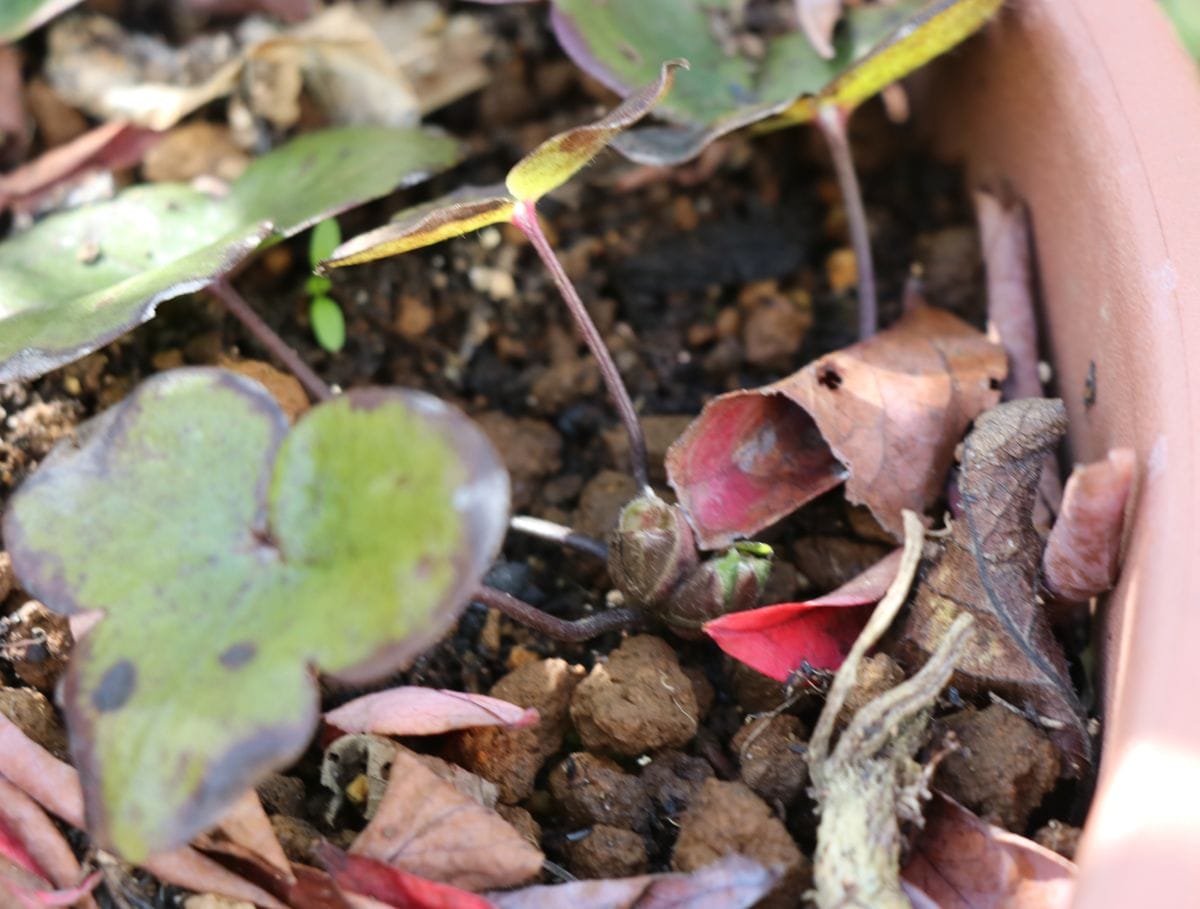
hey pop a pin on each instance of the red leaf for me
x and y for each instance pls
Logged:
(777, 640)
(890, 409)
(960, 862)
(391, 885)
(1082, 551)
(427, 711)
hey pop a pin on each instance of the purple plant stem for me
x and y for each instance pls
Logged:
(557, 533)
(526, 219)
(832, 121)
(316, 387)
(559, 629)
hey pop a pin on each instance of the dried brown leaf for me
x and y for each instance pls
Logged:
(1012, 319)
(960, 862)
(111, 146)
(988, 567)
(1083, 549)
(245, 832)
(413, 710)
(733, 882)
(427, 827)
(890, 409)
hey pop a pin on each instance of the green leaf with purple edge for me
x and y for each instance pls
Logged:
(79, 279)
(233, 558)
(620, 42)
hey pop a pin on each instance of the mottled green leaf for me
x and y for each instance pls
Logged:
(81, 278)
(19, 17)
(233, 558)
(620, 43)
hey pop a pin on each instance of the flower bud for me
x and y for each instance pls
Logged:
(652, 550)
(730, 582)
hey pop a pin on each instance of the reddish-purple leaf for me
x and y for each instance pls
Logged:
(1082, 551)
(778, 640)
(427, 711)
(734, 882)
(111, 146)
(29, 839)
(960, 862)
(890, 409)
(391, 885)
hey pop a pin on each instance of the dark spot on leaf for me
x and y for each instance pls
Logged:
(115, 687)
(238, 655)
(830, 379)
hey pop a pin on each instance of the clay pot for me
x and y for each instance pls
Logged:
(1090, 110)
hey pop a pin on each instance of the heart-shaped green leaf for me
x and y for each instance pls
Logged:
(81, 278)
(233, 558)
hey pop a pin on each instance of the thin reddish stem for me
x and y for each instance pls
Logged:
(553, 627)
(832, 121)
(316, 387)
(526, 219)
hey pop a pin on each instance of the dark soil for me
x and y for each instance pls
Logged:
(699, 287)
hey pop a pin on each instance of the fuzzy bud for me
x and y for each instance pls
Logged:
(730, 582)
(652, 550)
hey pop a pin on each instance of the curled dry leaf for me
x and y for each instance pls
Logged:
(1012, 315)
(988, 567)
(111, 146)
(885, 414)
(734, 882)
(778, 640)
(428, 828)
(414, 710)
(55, 786)
(1083, 549)
(1012, 320)
(960, 862)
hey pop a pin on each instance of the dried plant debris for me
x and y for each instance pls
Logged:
(870, 781)
(989, 565)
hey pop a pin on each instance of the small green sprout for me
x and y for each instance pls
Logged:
(325, 316)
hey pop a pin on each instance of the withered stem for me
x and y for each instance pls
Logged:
(558, 533)
(559, 629)
(526, 219)
(832, 121)
(316, 387)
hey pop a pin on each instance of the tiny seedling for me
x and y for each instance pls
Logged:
(324, 315)
(81, 278)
